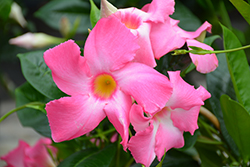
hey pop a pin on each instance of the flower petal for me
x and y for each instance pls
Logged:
(71, 117)
(142, 146)
(69, 69)
(117, 111)
(16, 157)
(137, 118)
(148, 87)
(168, 136)
(184, 95)
(109, 46)
(160, 9)
(164, 38)
(204, 63)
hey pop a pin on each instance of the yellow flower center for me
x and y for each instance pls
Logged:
(131, 21)
(104, 86)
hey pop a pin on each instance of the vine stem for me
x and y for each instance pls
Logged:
(206, 113)
(19, 108)
(201, 51)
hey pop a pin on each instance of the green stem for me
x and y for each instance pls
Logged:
(29, 105)
(203, 52)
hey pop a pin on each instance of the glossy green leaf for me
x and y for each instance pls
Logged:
(211, 39)
(30, 117)
(94, 13)
(37, 73)
(190, 140)
(90, 158)
(52, 13)
(243, 7)
(237, 121)
(219, 83)
(238, 68)
(188, 21)
(5, 7)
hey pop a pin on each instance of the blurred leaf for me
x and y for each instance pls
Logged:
(90, 158)
(219, 83)
(5, 7)
(238, 68)
(190, 140)
(211, 39)
(237, 121)
(30, 117)
(94, 13)
(52, 13)
(243, 7)
(37, 73)
(188, 21)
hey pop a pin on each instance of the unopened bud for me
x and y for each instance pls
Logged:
(17, 15)
(107, 8)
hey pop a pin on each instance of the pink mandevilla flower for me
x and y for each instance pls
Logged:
(27, 156)
(159, 34)
(163, 129)
(101, 83)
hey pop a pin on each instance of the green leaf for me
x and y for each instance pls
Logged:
(188, 21)
(5, 7)
(190, 140)
(94, 13)
(219, 83)
(211, 39)
(52, 13)
(238, 68)
(30, 117)
(37, 73)
(243, 7)
(90, 158)
(237, 121)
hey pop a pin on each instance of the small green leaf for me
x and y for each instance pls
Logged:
(190, 140)
(90, 158)
(37, 73)
(94, 13)
(237, 121)
(211, 39)
(30, 117)
(5, 7)
(55, 10)
(238, 68)
(243, 7)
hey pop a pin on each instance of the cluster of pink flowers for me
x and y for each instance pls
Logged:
(116, 70)
(37, 156)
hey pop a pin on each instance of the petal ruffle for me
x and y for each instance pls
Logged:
(137, 118)
(106, 52)
(184, 95)
(168, 136)
(142, 146)
(204, 63)
(148, 87)
(71, 117)
(69, 70)
(117, 111)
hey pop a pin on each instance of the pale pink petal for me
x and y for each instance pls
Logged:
(69, 70)
(164, 38)
(204, 63)
(142, 146)
(38, 155)
(184, 95)
(71, 117)
(117, 111)
(109, 46)
(186, 120)
(148, 87)
(168, 136)
(160, 9)
(191, 35)
(137, 118)
(16, 157)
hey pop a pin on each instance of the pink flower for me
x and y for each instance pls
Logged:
(101, 83)
(157, 33)
(163, 129)
(27, 156)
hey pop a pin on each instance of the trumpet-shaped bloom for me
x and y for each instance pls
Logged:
(157, 33)
(163, 129)
(27, 156)
(101, 83)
